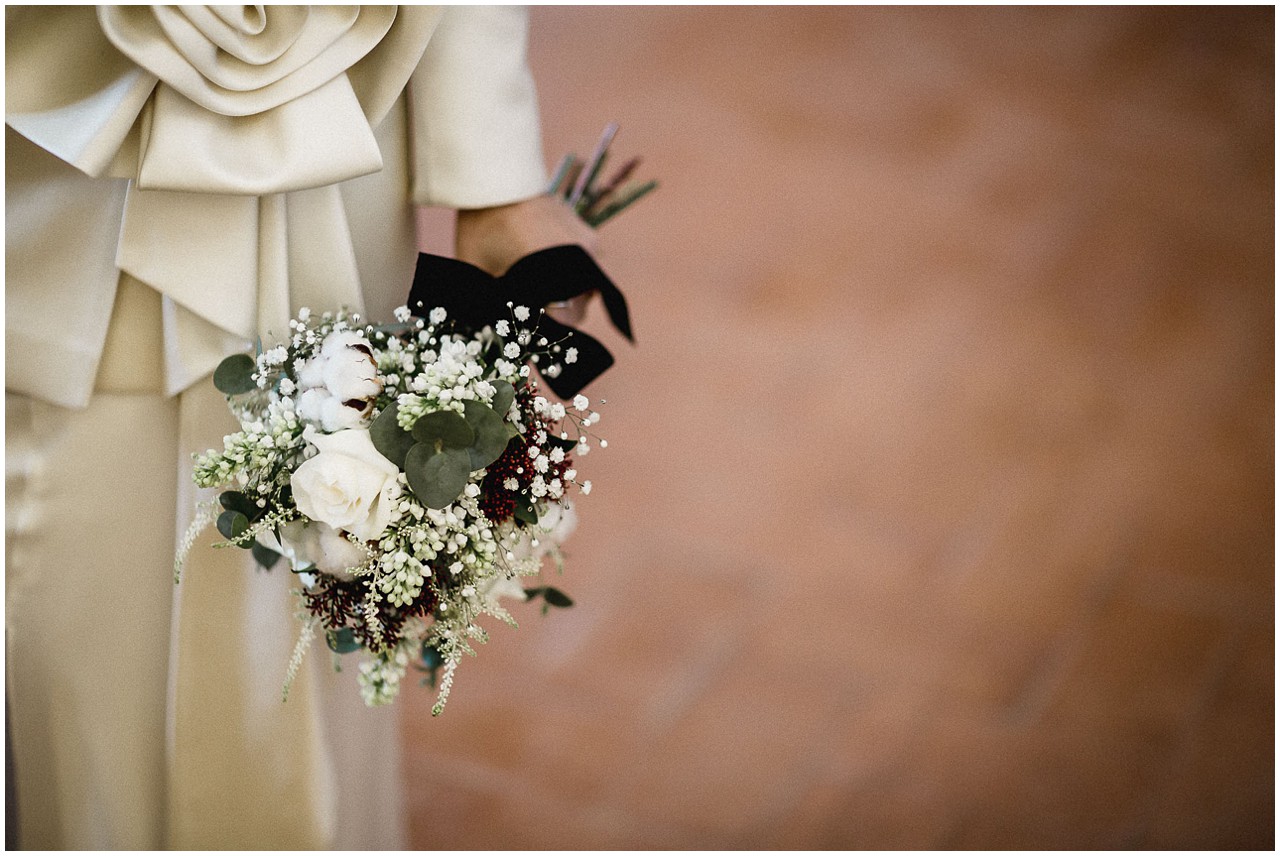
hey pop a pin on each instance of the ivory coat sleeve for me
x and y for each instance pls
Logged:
(474, 112)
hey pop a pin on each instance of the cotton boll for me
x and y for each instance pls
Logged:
(498, 587)
(310, 405)
(321, 546)
(558, 522)
(337, 415)
(351, 374)
(340, 383)
(311, 373)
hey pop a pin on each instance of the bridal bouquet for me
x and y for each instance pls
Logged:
(413, 474)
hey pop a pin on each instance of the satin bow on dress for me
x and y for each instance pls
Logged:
(234, 127)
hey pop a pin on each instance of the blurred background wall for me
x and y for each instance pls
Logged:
(938, 509)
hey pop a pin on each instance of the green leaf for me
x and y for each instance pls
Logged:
(234, 375)
(391, 441)
(232, 524)
(555, 597)
(491, 434)
(505, 395)
(437, 478)
(615, 208)
(234, 500)
(447, 427)
(265, 556)
(524, 510)
(565, 444)
(395, 328)
(342, 640)
(431, 663)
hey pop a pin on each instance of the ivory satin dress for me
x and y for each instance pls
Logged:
(179, 181)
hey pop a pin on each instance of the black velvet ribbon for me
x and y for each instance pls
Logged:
(473, 299)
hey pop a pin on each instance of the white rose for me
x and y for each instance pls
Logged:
(321, 546)
(348, 484)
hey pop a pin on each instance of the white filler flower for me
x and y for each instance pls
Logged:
(348, 485)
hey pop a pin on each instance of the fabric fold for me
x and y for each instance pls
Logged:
(163, 40)
(320, 138)
(240, 265)
(211, 112)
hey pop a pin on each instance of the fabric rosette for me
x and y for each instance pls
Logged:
(235, 126)
(226, 99)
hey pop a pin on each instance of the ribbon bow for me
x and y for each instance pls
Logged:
(474, 299)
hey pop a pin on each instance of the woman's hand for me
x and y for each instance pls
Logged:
(493, 239)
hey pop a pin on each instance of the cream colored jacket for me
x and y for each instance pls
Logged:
(241, 161)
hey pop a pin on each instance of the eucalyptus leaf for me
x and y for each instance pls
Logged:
(342, 640)
(234, 500)
(491, 434)
(232, 524)
(265, 556)
(431, 663)
(448, 427)
(437, 478)
(234, 375)
(391, 441)
(555, 597)
(564, 443)
(505, 395)
(524, 511)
